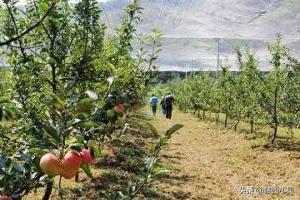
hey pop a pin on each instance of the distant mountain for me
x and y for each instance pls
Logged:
(250, 23)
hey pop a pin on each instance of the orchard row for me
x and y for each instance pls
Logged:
(69, 88)
(256, 97)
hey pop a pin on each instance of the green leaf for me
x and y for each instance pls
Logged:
(35, 150)
(160, 171)
(76, 146)
(150, 162)
(79, 139)
(97, 151)
(76, 121)
(85, 105)
(18, 168)
(121, 195)
(151, 128)
(89, 124)
(50, 130)
(163, 142)
(57, 102)
(86, 169)
(43, 6)
(4, 100)
(173, 129)
(3, 161)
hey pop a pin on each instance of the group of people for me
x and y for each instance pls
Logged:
(166, 104)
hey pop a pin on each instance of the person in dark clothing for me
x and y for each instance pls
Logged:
(169, 99)
(162, 104)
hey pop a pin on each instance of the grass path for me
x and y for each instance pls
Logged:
(209, 162)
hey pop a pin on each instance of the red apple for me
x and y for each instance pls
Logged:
(86, 156)
(68, 174)
(71, 162)
(50, 164)
(119, 108)
(5, 198)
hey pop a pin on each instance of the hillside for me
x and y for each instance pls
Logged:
(249, 23)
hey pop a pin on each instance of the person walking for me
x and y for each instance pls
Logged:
(153, 104)
(163, 105)
(169, 99)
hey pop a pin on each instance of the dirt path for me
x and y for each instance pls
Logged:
(210, 163)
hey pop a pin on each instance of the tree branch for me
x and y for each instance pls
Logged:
(36, 24)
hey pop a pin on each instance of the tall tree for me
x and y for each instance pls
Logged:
(249, 85)
(275, 84)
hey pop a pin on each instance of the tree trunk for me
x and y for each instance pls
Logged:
(217, 117)
(275, 133)
(275, 117)
(48, 191)
(252, 125)
(236, 124)
(77, 178)
(226, 119)
(218, 113)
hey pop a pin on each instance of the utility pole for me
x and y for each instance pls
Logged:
(192, 68)
(218, 57)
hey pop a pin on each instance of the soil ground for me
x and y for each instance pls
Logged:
(206, 161)
(210, 162)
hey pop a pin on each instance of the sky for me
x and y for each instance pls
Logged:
(194, 25)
